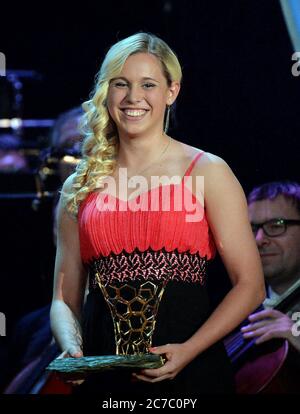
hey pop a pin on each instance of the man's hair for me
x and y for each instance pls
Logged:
(55, 137)
(269, 191)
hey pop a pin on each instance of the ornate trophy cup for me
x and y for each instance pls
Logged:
(133, 306)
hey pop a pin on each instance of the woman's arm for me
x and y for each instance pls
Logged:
(69, 284)
(227, 214)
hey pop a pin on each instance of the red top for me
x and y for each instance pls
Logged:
(109, 224)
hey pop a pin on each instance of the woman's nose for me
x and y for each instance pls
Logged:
(134, 94)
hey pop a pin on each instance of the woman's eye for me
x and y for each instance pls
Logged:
(148, 85)
(120, 84)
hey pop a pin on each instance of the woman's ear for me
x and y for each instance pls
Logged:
(173, 92)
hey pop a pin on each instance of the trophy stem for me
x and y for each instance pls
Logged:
(133, 306)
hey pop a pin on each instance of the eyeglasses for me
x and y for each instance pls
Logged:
(274, 227)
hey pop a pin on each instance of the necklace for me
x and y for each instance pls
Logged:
(153, 162)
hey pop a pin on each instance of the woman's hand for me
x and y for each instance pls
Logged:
(177, 355)
(72, 352)
(72, 379)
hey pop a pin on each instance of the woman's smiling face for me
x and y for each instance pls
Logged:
(137, 98)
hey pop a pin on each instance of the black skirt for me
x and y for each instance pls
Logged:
(183, 309)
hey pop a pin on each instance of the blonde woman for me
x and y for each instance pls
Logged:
(112, 228)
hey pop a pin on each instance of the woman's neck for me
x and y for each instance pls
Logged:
(135, 151)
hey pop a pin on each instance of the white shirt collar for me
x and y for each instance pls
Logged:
(273, 297)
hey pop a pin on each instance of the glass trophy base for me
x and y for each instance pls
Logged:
(94, 364)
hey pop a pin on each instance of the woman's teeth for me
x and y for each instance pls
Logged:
(135, 112)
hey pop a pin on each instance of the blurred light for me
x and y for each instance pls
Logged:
(291, 13)
(167, 7)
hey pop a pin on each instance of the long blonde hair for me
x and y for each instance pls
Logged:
(101, 143)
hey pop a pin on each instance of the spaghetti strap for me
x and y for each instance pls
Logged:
(188, 171)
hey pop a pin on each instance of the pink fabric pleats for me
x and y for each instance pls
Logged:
(168, 216)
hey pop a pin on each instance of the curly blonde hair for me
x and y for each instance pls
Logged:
(101, 142)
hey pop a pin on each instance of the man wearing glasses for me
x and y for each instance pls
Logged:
(274, 213)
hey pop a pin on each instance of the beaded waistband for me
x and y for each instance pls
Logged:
(152, 265)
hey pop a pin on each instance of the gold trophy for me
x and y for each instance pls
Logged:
(133, 306)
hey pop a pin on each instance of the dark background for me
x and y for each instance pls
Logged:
(239, 99)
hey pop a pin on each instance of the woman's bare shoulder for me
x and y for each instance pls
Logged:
(64, 193)
(68, 184)
(184, 151)
(212, 167)
(216, 170)
(207, 158)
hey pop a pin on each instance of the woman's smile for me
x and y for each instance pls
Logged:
(134, 114)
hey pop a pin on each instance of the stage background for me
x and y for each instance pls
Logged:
(239, 100)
